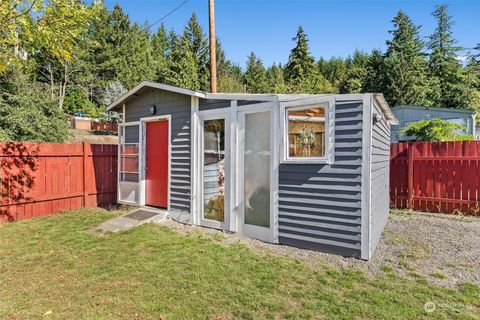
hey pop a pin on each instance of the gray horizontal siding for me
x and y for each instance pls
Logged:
(320, 205)
(132, 134)
(380, 178)
(210, 104)
(247, 102)
(179, 107)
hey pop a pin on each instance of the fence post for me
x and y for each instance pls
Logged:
(85, 159)
(410, 175)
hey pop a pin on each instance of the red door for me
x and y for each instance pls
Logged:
(156, 171)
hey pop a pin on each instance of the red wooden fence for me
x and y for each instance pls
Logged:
(436, 176)
(38, 179)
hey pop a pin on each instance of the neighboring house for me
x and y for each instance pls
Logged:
(407, 115)
(303, 170)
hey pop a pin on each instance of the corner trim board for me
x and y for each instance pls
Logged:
(366, 206)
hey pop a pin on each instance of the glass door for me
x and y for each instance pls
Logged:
(129, 163)
(255, 163)
(215, 167)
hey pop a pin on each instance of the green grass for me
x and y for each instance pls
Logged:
(52, 268)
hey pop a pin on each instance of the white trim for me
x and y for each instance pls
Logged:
(141, 163)
(256, 106)
(349, 97)
(154, 85)
(234, 166)
(329, 156)
(274, 174)
(387, 111)
(194, 191)
(121, 130)
(143, 150)
(366, 208)
(156, 118)
(262, 233)
(131, 123)
(212, 112)
(121, 133)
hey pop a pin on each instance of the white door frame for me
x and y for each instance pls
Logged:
(214, 115)
(262, 233)
(143, 149)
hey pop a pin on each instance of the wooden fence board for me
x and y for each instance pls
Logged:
(38, 179)
(436, 176)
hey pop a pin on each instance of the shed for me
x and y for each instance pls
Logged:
(304, 170)
(408, 114)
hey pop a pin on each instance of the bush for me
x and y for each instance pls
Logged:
(28, 112)
(435, 130)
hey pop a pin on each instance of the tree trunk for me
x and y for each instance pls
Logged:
(63, 86)
(52, 84)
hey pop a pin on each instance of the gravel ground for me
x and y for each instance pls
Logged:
(445, 249)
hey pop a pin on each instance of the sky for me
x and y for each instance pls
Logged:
(334, 28)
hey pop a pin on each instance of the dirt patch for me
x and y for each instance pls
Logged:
(78, 136)
(441, 248)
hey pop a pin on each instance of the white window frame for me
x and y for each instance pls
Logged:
(121, 131)
(325, 102)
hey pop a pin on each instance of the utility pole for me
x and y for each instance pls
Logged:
(213, 47)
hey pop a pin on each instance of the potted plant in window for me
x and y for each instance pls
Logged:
(307, 140)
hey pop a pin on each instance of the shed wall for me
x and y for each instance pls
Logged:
(380, 179)
(210, 104)
(179, 107)
(319, 204)
(406, 115)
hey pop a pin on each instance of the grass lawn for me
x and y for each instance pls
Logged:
(52, 268)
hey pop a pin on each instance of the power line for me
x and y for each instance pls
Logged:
(176, 8)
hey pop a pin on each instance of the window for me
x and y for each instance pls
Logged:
(307, 134)
(129, 163)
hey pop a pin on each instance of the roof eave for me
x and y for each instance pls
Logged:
(119, 101)
(382, 103)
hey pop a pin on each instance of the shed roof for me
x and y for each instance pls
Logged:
(240, 96)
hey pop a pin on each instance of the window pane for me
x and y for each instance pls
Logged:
(214, 169)
(306, 132)
(129, 163)
(129, 153)
(257, 169)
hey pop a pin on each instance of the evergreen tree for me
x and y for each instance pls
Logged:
(255, 77)
(450, 83)
(137, 63)
(406, 65)
(188, 60)
(473, 75)
(198, 44)
(300, 67)
(356, 74)
(375, 79)
(183, 68)
(103, 58)
(229, 75)
(160, 50)
(334, 70)
(276, 79)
